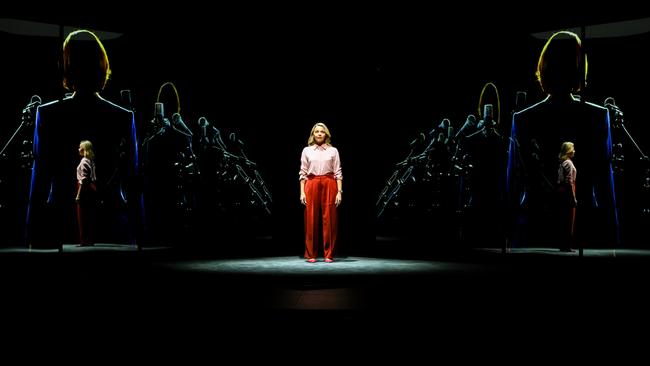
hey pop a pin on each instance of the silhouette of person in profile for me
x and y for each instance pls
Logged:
(536, 133)
(59, 126)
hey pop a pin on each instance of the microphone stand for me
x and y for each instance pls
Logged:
(460, 170)
(394, 184)
(644, 157)
(251, 185)
(619, 124)
(18, 176)
(26, 119)
(186, 173)
(12, 137)
(395, 189)
(258, 179)
(486, 131)
(161, 131)
(265, 198)
(236, 158)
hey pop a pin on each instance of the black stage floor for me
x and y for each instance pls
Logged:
(118, 287)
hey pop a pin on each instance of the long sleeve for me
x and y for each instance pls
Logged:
(320, 160)
(40, 194)
(604, 187)
(513, 172)
(304, 165)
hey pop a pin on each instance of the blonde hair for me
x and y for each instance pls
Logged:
(561, 68)
(566, 149)
(85, 62)
(87, 147)
(328, 135)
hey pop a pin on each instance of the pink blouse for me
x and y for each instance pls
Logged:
(320, 160)
(567, 173)
(86, 171)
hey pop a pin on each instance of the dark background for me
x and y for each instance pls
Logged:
(376, 75)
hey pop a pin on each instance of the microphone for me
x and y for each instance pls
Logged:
(442, 128)
(203, 131)
(233, 138)
(444, 124)
(159, 121)
(125, 96)
(450, 134)
(180, 126)
(445, 131)
(159, 110)
(611, 105)
(535, 150)
(217, 133)
(470, 122)
(488, 119)
(520, 100)
(35, 101)
(216, 138)
(441, 138)
(240, 145)
(203, 123)
(418, 140)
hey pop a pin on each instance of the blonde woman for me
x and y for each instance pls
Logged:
(566, 187)
(86, 193)
(321, 191)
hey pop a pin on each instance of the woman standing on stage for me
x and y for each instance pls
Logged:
(86, 198)
(321, 190)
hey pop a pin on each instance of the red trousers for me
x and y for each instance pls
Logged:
(86, 212)
(320, 211)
